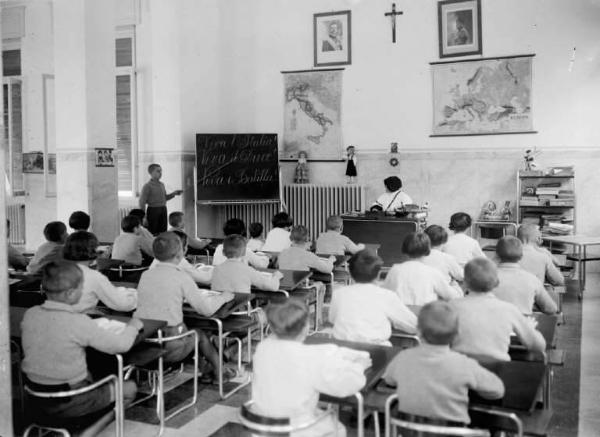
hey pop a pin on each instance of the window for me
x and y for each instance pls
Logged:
(12, 86)
(126, 111)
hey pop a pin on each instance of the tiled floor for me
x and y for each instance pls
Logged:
(574, 414)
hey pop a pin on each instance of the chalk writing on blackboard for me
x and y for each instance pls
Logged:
(237, 167)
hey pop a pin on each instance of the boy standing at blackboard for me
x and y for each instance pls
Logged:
(154, 194)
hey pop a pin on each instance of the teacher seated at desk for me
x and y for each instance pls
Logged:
(393, 198)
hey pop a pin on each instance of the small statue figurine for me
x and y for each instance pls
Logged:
(350, 164)
(301, 172)
(529, 158)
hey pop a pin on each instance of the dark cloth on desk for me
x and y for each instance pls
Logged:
(157, 219)
(16, 260)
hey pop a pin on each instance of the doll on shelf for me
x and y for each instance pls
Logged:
(350, 164)
(301, 172)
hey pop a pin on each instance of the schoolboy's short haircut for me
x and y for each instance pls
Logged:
(299, 234)
(234, 226)
(365, 266)
(80, 246)
(438, 323)
(282, 220)
(528, 233)
(182, 236)
(459, 222)
(255, 229)
(392, 183)
(55, 231)
(151, 167)
(234, 246)
(166, 246)
(176, 219)
(139, 213)
(334, 222)
(79, 221)
(129, 223)
(509, 249)
(416, 245)
(59, 276)
(287, 319)
(481, 275)
(437, 235)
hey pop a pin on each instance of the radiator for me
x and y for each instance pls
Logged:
(16, 214)
(308, 204)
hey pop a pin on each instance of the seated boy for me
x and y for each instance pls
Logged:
(516, 285)
(535, 259)
(415, 282)
(288, 375)
(79, 221)
(256, 241)
(177, 224)
(54, 338)
(81, 248)
(333, 242)
(235, 275)
(298, 257)
(51, 250)
(432, 380)
(485, 323)
(365, 312)
(144, 232)
(236, 226)
(162, 293)
(445, 263)
(462, 247)
(278, 238)
(129, 245)
(16, 260)
(202, 276)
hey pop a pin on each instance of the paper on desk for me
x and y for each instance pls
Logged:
(209, 292)
(204, 267)
(113, 326)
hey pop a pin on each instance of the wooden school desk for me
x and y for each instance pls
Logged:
(380, 357)
(580, 243)
(386, 231)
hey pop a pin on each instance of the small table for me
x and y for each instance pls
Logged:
(580, 244)
(380, 357)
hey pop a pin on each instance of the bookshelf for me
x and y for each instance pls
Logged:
(547, 201)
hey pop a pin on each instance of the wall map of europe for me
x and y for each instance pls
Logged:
(312, 114)
(485, 96)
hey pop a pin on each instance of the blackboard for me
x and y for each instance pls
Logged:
(237, 167)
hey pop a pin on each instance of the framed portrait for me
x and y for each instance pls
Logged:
(332, 42)
(459, 27)
(33, 162)
(104, 157)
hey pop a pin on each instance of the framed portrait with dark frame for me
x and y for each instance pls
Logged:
(332, 38)
(459, 28)
(104, 157)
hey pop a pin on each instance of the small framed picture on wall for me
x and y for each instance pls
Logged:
(104, 157)
(331, 38)
(459, 28)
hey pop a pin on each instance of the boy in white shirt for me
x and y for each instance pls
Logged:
(81, 248)
(415, 282)
(536, 259)
(517, 285)
(288, 375)
(444, 262)
(177, 224)
(278, 238)
(333, 242)
(365, 312)
(130, 245)
(256, 241)
(459, 245)
(236, 226)
(485, 323)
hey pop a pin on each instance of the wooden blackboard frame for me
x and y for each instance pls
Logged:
(237, 169)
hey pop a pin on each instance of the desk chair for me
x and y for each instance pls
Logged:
(156, 378)
(229, 328)
(45, 424)
(129, 272)
(403, 340)
(269, 426)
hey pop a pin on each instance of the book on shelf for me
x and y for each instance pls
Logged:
(549, 184)
(547, 191)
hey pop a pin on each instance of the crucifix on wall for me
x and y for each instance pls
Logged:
(392, 16)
